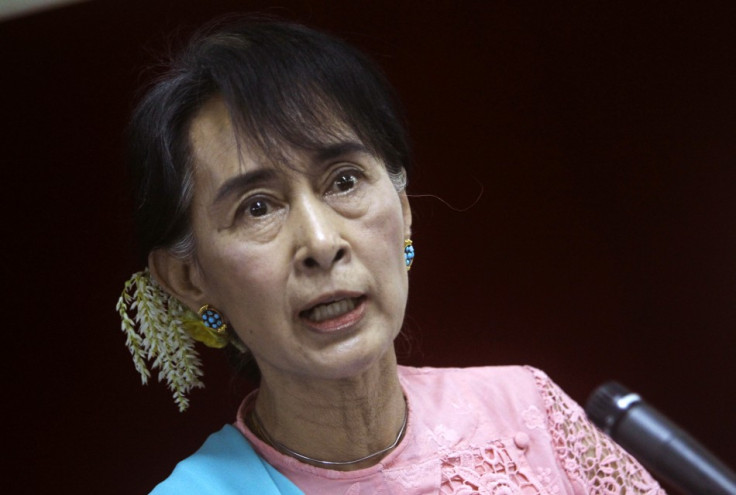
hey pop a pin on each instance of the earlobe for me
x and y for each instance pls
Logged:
(176, 276)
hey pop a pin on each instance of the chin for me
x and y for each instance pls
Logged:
(351, 363)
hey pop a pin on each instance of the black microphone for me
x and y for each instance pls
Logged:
(661, 446)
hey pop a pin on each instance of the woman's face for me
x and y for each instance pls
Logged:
(305, 261)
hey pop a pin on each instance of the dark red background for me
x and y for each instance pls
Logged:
(587, 151)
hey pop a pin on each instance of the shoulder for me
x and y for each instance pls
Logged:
(225, 463)
(501, 394)
(195, 473)
(500, 381)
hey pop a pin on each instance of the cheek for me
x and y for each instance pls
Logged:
(382, 245)
(385, 228)
(243, 279)
(251, 302)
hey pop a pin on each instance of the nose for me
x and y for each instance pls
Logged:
(319, 243)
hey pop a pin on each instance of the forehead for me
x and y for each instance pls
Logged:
(217, 147)
(212, 136)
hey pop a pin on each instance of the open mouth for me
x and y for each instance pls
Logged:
(330, 310)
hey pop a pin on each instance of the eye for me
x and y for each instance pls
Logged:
(259, 216)
(257, 208)
(254, 208)
(345, 181)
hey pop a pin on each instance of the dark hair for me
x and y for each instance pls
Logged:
(283, 84)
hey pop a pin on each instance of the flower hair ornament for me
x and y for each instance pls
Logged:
(161, 330)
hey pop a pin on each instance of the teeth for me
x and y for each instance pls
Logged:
(326, 311)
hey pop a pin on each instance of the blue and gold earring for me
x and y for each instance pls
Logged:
(212, 319)
(408, 253)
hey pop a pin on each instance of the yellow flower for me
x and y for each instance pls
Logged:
(207, 336)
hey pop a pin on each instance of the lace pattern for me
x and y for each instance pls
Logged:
(589, 457)
(491, 470)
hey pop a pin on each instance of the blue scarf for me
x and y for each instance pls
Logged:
(225, 464)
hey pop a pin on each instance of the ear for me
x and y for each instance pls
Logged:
(179, 277)
(406, 211)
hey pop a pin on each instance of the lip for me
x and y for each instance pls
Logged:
(338, 323)
(330, 297)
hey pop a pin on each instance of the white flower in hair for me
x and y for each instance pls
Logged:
(155, 326)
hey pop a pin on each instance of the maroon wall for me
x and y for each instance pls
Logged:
(587, 152)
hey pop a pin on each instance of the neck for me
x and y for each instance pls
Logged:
(334, 420)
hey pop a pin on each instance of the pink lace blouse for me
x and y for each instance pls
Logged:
(494, 430)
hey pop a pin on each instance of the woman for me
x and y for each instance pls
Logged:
(271, 166)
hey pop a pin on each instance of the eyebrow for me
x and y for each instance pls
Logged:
(332, 151)
(244, 181)
(241, 182)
